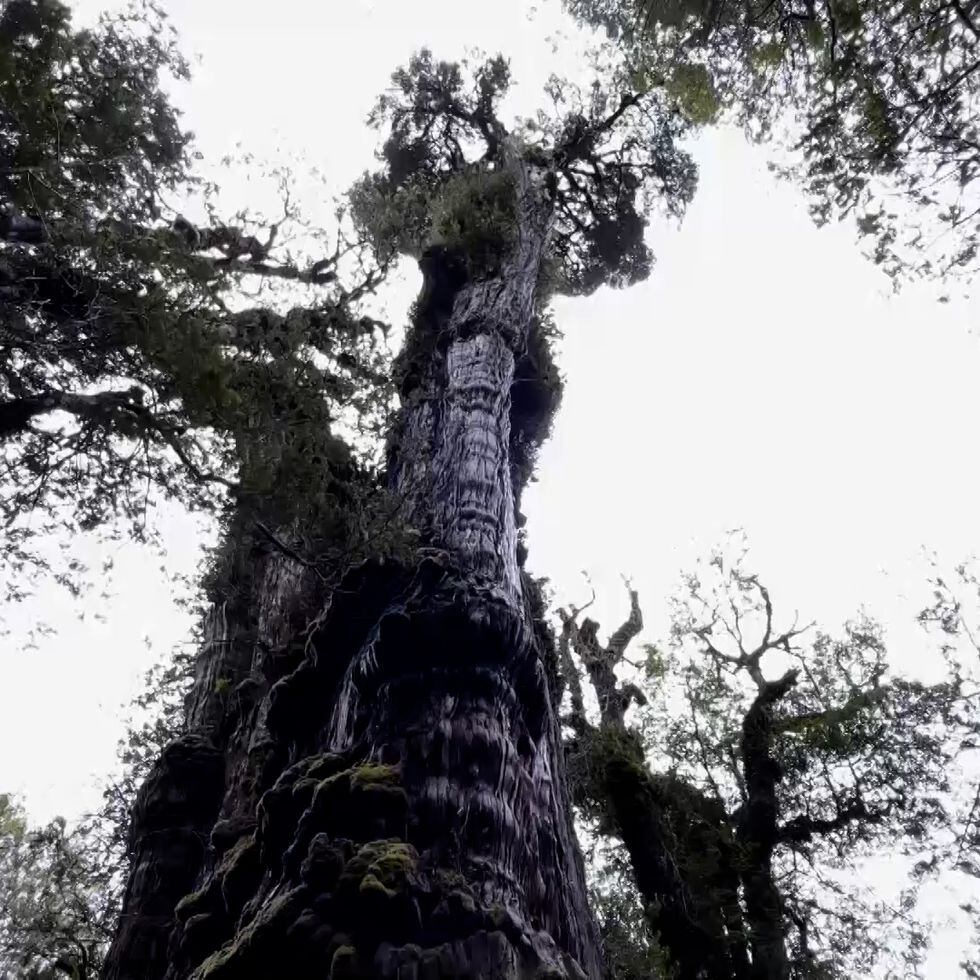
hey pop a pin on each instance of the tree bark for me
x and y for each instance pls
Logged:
(394, 796)
(202, 792)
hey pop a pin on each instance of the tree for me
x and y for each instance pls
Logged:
(371, 781)
(875, 102)
(762, 762)
(132, 364)
(631, 948)
(953, 615)
(56, 899)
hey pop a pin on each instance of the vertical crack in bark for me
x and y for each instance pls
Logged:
(474, 510)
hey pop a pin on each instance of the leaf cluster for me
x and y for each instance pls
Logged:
(57, 898)
(875, 103)
(606, 158)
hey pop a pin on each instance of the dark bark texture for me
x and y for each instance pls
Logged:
(391, 797)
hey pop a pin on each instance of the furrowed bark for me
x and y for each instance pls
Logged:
(394, 797)
(202, 792)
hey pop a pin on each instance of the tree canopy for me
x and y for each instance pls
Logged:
(137, 362)
(762, 765)
(611, 156)
(58, 898)
(876, 104)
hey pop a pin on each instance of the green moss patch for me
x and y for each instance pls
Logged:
(387, 862)
(361, 803)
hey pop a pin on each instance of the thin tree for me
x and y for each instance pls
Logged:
(57, 900)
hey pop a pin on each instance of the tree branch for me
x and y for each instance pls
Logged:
(854, 704)
(577, 720)
(802, 830)
(966, 19)
(241, 253)
(102, 408)
(620, 640)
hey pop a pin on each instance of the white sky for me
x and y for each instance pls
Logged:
(764, 377)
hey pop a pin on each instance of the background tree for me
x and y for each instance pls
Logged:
(57, 907)
(762, 766)
(876, 104)
(132, 363)
(953, 615)
(632, 949)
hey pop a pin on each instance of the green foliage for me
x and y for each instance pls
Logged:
(952, 617)
(87, 131)
(473, 213)
(630, 955)
(429, 190)
(692, 86)
(446, 154)
(633, 170)
(876, 104)
(57, 898)
(394, 220)
(88, 140)
(129, 369)
(13, 824)
(655, 665)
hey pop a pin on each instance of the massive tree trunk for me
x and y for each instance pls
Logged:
(392, 799)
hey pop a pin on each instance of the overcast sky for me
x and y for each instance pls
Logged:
(764, 377)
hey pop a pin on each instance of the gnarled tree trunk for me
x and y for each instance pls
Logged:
(392, 796)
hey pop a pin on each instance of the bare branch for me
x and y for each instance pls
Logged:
(620, 640)
(802, 829)
(577, 720)
(287, 550)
